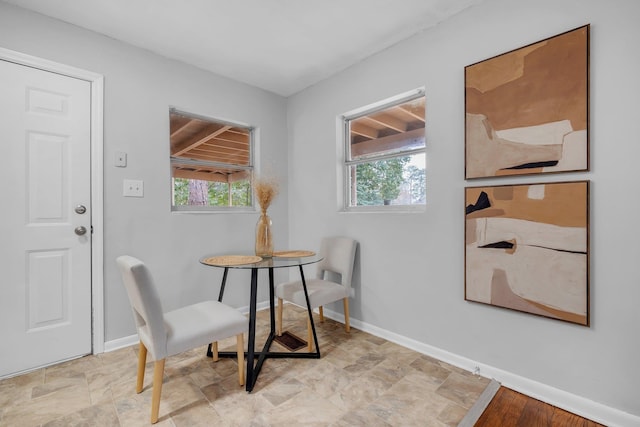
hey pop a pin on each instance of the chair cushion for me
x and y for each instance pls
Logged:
(199, 324)
(320, 292)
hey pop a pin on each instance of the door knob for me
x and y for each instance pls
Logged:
(80, 209)
(80, 231)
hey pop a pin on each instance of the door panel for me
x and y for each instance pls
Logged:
(46, 177)
(45, 289)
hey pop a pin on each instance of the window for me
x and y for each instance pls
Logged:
(385, 154)
(211, 163)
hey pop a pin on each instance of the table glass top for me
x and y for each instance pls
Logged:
(245, 261)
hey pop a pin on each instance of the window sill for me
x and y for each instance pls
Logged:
(386, 209)
(212, 210)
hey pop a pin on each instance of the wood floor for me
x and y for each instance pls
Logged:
(510, 408)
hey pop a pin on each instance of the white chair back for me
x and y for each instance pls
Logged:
(146, 305)
(339, 256)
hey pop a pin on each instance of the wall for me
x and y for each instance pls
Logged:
(139, 88)
(411, 281)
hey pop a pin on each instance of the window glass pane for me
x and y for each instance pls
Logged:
(394, 181)
(385, 153)
(204, 139)
(392, 130)
(195, 192)
(211, 162)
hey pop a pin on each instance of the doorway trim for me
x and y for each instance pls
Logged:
(97, 187)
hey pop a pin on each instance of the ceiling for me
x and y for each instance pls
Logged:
(282, 46)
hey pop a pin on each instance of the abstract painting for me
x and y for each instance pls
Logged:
(527, 248)
(527, 110)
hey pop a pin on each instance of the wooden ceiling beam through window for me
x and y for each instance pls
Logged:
(359, 128)
(180, 130)
(200, 175)
(388, 143)
(415, 110)
(387, 130)
(393, 120)
(239, 140)
(200, 138)
(225, 147)
(224, 176)
(231, 160)
(209, 141)
(389, 121)
(213, 154)
(219, 154)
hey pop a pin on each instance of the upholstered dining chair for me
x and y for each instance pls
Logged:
(167, 334)
(332, 282)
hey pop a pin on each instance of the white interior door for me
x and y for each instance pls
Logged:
(45, 181)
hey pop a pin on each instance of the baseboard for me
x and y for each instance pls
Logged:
(570, 402)
(119, 343)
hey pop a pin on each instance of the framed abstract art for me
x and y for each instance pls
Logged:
(527, 248)
(527, 110)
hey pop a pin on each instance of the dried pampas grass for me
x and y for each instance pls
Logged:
(266, 189)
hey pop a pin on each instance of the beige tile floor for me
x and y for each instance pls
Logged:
(361, 380)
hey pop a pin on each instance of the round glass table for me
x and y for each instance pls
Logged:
(285, 259)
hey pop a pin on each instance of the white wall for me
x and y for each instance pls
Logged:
(139, 88)
(411, 265)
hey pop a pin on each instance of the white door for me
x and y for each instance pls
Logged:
(45, 258)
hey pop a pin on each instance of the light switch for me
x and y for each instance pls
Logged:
(133, 188)
(120, 159)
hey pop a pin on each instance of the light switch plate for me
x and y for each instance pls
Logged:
(133, 188)
(120, 159)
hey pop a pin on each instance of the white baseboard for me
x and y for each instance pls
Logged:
(570, 402)
(119, 343)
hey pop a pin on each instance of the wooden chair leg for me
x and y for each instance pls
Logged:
(345, 303)
(309, 336)
(321, 313)
(279, 319)
(142, 361)
(214, 351)
(158, 373)
(240, 349)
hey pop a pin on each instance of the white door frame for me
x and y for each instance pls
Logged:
(97, 122)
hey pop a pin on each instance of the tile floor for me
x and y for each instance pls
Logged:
(361, 380)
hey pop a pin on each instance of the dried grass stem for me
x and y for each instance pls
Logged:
(266, 189)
